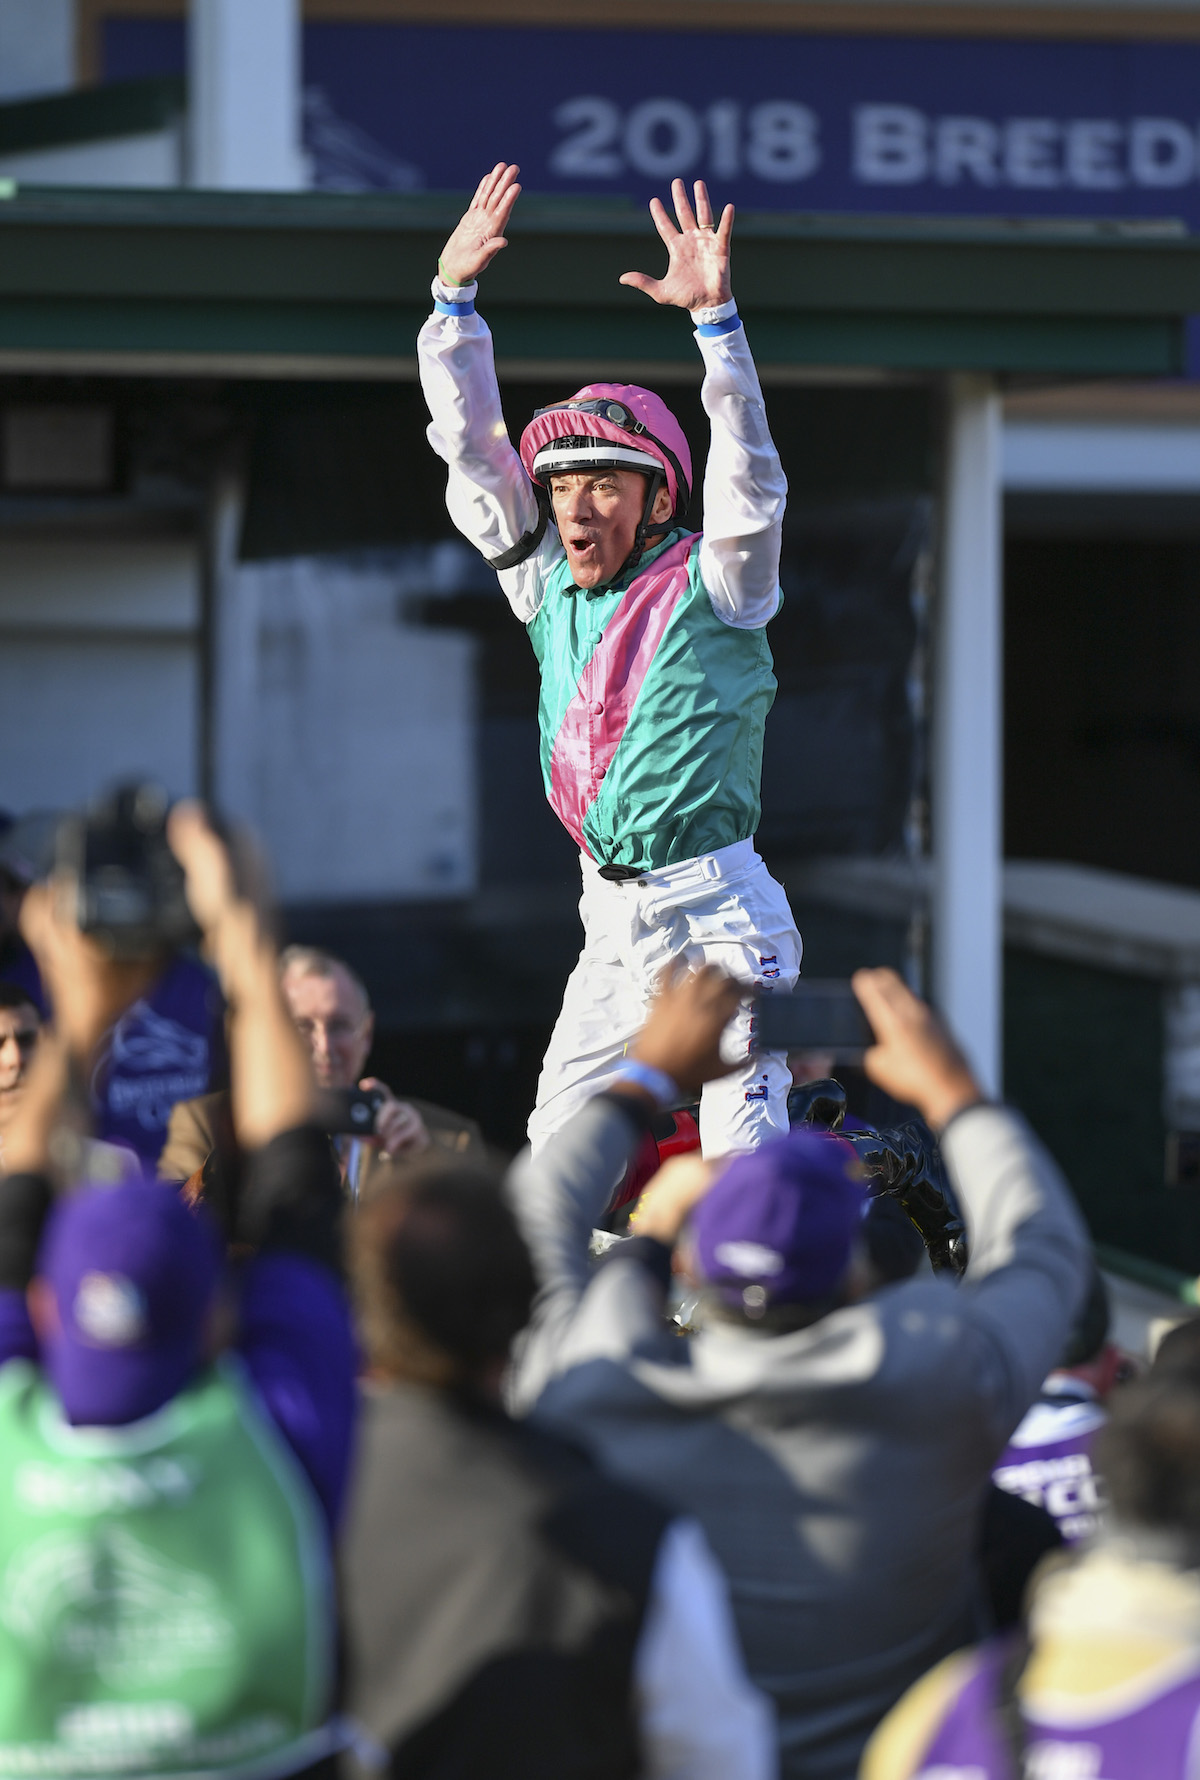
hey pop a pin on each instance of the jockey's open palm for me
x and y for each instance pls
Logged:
(480, 235)
(697, 252)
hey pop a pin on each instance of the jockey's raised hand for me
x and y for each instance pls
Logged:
(698, 252)
(480, 235)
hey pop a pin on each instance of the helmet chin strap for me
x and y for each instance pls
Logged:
(645, 526)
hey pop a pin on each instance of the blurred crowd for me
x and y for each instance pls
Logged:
(333, 1444)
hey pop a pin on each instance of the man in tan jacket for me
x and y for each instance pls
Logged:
(332, 1012)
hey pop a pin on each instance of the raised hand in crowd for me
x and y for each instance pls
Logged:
(666, 1202)
(88, 991)
(271, 1081)
(682, 1039)
(682, 1034)
(914, 1058)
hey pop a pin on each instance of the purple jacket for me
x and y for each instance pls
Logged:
(1152, 1739)
(169, 1046)
(1048, 1459)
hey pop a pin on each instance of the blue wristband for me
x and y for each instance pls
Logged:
(466, 308)
(656, 1082)
(707, 329)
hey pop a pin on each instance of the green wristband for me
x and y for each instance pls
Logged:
(458, 283)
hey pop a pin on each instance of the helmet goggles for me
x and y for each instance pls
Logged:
(604, 406)
(555, 457)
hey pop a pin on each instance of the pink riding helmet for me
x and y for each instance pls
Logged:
(621, 427)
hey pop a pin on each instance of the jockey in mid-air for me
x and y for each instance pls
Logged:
(656, 675)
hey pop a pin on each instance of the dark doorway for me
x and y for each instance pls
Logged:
(1102, 768)
(1102, 664)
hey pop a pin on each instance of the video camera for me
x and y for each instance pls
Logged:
(125, 887)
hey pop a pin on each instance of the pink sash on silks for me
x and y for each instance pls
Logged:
(597, 716)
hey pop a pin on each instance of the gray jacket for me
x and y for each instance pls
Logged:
(837, 1471)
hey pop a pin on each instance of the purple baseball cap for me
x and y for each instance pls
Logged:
(133, 1272)
(778, 1225)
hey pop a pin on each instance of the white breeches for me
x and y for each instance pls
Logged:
(723, 908)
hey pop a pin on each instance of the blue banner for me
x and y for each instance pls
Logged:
(775, 122)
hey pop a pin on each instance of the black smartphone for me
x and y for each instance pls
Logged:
(819, 1014)
(350, 1111)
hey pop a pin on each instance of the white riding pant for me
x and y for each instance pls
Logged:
(722, 908)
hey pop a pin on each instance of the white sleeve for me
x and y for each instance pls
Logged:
(701, 1719)
(745, 489)
(488, 494)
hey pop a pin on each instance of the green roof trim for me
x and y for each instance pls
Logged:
(375, 331)
(93, 114)
(348, 275)
(1167, 1280)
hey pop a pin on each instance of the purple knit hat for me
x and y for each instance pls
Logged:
(133, 1272)
(779, 1224)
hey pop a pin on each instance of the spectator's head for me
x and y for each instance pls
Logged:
(332, 1012)
(20, 1023)
(1149, 1455)
(777, 1241)
(443, 1279)
(125, 1283)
